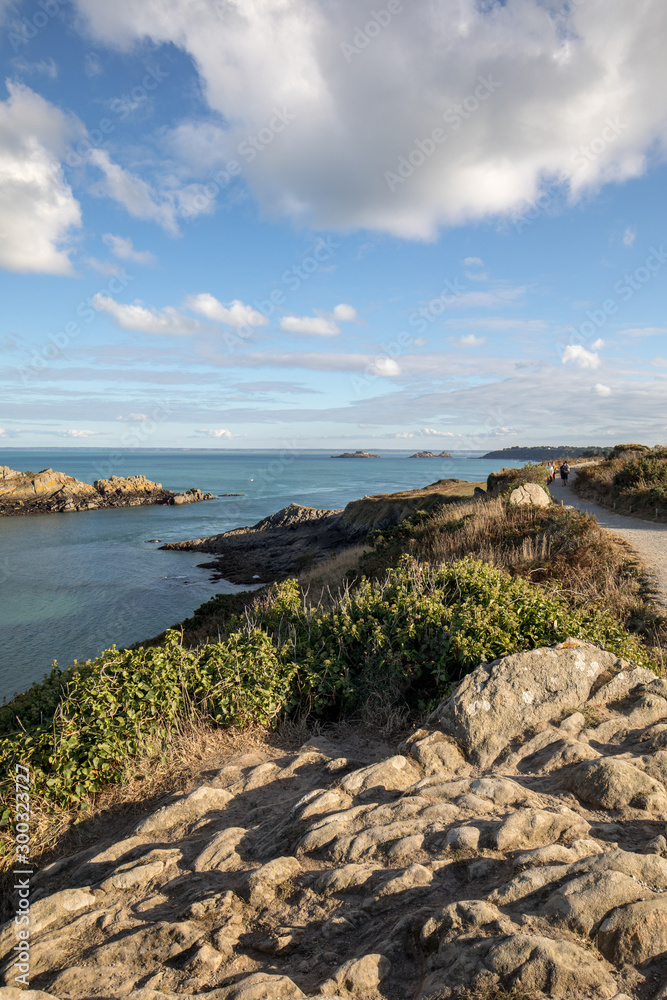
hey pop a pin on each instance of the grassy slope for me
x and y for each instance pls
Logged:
(632, 481)
(350, 632)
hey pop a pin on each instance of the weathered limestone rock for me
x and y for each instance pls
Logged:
(530, 493)
(617, 784)
(493, 704)
(417, 873)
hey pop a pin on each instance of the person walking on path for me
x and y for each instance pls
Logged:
(564, 472)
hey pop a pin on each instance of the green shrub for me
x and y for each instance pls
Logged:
(406, 636)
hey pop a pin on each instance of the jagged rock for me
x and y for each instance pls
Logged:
(263, 883)
(221, 852)
(530, 493)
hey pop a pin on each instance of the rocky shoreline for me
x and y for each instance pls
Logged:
(514, 843)
(50, 492)
(296, 537)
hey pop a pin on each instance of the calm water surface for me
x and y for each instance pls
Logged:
(71, 585)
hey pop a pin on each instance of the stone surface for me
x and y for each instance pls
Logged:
(530, 493)
(356, 870)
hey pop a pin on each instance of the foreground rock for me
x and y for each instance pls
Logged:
(53, 492)
(516, 843)
(296, 537)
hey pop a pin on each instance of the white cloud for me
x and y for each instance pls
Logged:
(167, 321)
(318, 326)
(345, 313)
(473, 262)
(580, 356)
(598, 344)
(602, 390)
(133, 193)
(470, 340)
(121, 247)
(233, 314)
(569, 97)
(135, 418)
(78, 434)
(37, 208)
(221, 433)
(384, 367)
(629, 237)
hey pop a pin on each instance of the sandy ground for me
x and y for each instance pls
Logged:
(649, 540)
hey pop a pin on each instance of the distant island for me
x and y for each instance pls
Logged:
(50, 492)
(430, 454)
(356, 454)
(544, 452)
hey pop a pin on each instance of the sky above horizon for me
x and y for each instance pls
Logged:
(305, 223)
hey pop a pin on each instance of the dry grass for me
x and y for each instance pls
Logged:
(321, 582)
(564, 550)
(194, 749)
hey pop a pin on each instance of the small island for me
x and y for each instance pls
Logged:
(356, 454)
(50, 492)
(430, 454)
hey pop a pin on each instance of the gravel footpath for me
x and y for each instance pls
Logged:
(648, 540)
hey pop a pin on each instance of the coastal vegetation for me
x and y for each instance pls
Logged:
(380, 633)
(633, 480)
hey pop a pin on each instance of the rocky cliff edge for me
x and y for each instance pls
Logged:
(514, 843)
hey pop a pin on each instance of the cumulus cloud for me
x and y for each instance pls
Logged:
(629, 236)
(121, 247)
(324, 324)
(470, 340)
(598, 344)
(580, 356)
(318, 326)
(144, 319)
(222, 432)
(132, 192)
(602, 390)
(523, 93)
(345, 313)
(78, 434)
(233, 314)
(38, 211)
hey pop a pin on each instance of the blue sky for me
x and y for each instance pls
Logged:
(327, 223)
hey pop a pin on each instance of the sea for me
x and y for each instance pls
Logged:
(73, 585)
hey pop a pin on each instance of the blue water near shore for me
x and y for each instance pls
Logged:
(71, 585)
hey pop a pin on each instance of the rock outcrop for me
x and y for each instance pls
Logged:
(515, 843)
(430, 454)
(296, 537)
(53, 492)
(356, 454)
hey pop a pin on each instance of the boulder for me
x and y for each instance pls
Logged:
(498, 701)
(530, 493)
(633, 934)
(608, 783)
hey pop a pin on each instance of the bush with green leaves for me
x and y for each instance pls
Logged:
(407, 637)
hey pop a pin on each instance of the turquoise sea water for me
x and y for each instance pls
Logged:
(71, 585)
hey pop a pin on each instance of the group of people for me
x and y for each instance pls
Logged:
(564, 471)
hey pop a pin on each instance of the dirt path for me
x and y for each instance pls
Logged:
(649, 540)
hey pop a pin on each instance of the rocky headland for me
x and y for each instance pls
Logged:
(50, 492)
(297, 537)
(512, 847)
